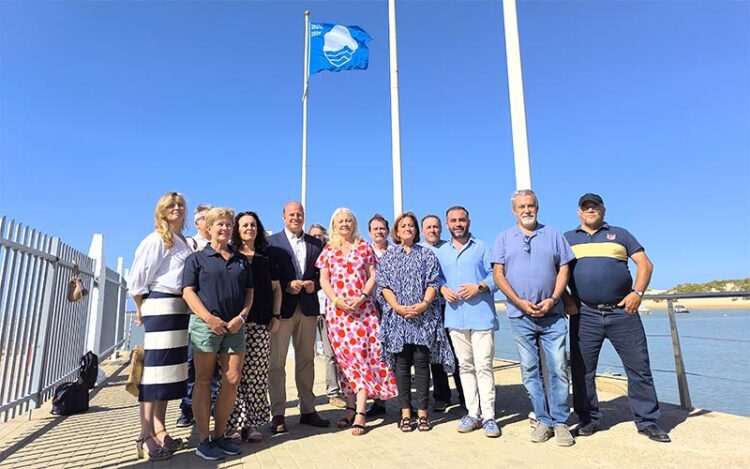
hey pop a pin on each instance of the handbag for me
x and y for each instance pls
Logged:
(136, 371)
(76, 290)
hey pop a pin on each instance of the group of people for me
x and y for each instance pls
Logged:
(220, 309)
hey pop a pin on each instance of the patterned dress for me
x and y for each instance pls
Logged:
(408, 276)
(251, 408)
(354, 335)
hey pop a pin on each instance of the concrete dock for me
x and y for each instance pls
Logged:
(104, 436)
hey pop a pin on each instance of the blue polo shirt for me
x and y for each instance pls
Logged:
(220, 284)
(469, 265)
(532, 270)
(600, 270)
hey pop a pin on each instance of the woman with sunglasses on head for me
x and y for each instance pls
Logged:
(251, 408)
(154, 281)
(412, 331)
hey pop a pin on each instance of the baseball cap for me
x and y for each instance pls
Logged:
(589, 197)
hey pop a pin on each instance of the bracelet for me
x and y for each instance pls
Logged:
(335, 300)
(277, 315)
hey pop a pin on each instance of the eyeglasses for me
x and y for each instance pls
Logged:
(526, 244)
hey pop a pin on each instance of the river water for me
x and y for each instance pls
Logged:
(715, 349)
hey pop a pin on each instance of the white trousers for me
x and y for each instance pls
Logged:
(475, 351)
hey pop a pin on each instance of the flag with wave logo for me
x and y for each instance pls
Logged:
(336, 48)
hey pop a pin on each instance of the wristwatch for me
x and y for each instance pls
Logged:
(480, 287)
(554, 300)
(639, 293)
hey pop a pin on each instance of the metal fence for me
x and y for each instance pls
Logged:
(42, 334)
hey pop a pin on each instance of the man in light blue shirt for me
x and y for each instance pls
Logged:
(467, 286)
(530, 262)
(432, 229)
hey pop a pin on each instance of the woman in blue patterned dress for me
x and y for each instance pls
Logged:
(412, 332)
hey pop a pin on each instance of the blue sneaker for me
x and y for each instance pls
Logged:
(491, 429)
(227, 446)
(469, 424)
(209, 451)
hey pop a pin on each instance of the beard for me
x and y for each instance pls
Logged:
(528, 222)
(458, 233)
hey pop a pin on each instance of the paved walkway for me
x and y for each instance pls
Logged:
(104, 437)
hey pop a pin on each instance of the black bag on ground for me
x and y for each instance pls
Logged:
(70, 398)
(89, 369)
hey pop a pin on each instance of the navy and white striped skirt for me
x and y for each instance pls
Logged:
(165, 344)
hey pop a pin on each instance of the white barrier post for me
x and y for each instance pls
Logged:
(96, 309)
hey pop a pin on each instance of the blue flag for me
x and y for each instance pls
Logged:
(335, 47)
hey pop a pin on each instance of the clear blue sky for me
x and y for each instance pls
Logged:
(106, 105)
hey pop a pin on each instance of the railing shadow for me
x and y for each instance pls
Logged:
(56, 420)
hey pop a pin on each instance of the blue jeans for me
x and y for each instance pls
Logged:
(549, 332)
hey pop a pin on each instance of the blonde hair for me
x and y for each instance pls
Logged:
(336, 238)
(219, 212)
(160, 216)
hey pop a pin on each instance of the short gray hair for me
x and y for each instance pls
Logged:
(522, 192)
(199, 209)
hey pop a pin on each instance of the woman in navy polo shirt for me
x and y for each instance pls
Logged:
(217, 285)
(154, 281)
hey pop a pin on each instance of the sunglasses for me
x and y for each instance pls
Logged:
(526, 244)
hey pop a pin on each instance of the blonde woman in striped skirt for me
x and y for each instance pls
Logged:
(155, 282)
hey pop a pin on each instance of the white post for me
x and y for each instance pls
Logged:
(515, 88)
(305, 89)
(96, 306)
(121, 299)
(398, 206)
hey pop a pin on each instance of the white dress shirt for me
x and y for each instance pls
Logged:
(200, 241)
(156, 268)
(300, 250)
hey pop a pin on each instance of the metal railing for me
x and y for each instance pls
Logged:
(679, 363)
(42, 334)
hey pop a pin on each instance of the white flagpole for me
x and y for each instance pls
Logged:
(515, 88)
(305, 90)
(395, 125)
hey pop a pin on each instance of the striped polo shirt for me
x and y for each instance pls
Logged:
(600, 273)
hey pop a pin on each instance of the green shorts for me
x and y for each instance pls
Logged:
(203, 339)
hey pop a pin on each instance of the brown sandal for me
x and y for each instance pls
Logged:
(345, 422)
(423, 424)
(357, 429)
(406, 426)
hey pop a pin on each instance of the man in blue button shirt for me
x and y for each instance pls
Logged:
(531, 268)
(604, 304)
(468, 289)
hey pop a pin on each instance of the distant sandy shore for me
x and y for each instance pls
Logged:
(695, 304)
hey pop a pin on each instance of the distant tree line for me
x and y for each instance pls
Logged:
(742, 284)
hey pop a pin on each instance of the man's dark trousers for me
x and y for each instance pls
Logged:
(588, 329)
(441, 390)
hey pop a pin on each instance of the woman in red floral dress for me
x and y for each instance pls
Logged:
(347, 275)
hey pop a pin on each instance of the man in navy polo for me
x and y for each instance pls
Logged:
(530, 263)
(603, 304)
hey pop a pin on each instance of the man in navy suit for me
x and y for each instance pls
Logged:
(295, 254)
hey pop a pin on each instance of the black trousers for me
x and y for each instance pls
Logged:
(419, 357)
(441, 390)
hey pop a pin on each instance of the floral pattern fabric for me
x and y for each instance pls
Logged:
(354, 335)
